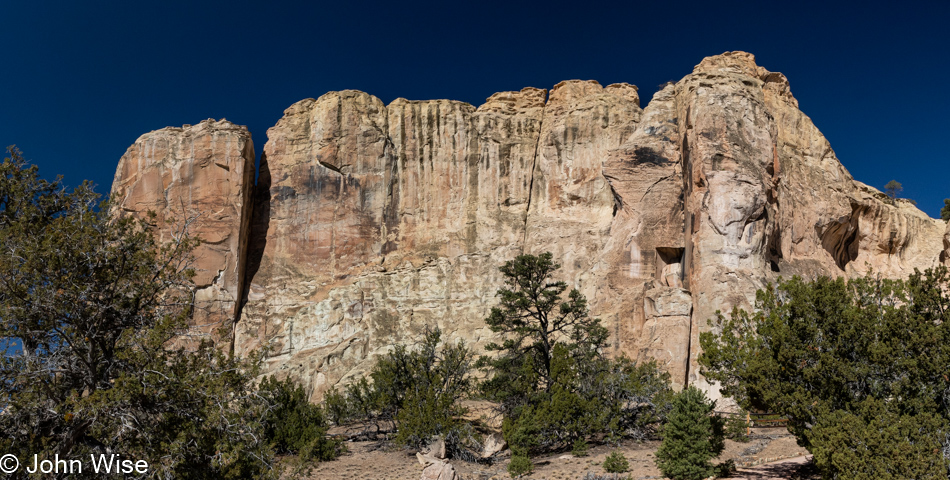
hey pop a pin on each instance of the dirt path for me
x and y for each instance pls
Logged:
(783, 469)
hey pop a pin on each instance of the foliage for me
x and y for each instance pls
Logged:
(519, 465)
(893, 189)
(945, 210)
(616, 462)
(90, 305)
(550, 376)
(417, 391)
(875, 442)
(293, 425)
(533, 321)
(728, 467)
(858, 367)
(579, 449)
(736, 428)
(692, 437)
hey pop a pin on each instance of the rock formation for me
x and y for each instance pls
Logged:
(371, 221)
(196, 177)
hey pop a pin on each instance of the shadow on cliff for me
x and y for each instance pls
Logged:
(257, 236)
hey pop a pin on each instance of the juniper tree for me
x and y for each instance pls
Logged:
(293, 425)
(88, 306)
(416, 389)
(859, 368)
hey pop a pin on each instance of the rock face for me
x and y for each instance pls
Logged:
(201, 175)
(371, 221)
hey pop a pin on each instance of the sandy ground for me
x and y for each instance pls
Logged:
(376, 461)
(793, 468)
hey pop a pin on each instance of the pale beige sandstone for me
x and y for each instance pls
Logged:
(572, 206)
(439, 471)
(202, 174)
(643, 255)
(493, 444)
(384, 220)
(766, 196)
(373, 221)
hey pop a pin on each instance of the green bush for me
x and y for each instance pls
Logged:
(692, 437)
(854, 442)
(519, 465)
(726, 469)
(580, 448)
(858, 367)
(293, 425)
(416, 391)
(616, 462)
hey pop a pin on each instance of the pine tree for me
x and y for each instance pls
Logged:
(549, 374)
(692, 437)
(893, 189)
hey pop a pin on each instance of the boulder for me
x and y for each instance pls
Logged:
(494, 443)
(440, 471)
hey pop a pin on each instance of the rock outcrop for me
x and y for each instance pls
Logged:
(371, 221)
(440, 471)
(198, 177)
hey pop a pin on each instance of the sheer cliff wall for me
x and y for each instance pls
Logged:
(370, 221)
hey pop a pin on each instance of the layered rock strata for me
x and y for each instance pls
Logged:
(372, 221)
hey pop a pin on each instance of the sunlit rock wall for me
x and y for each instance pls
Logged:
(199, 178)
(372, 221)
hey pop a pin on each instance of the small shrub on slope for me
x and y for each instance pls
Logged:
(616, 463)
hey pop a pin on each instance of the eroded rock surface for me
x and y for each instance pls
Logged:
(375, 221)
(198, 177)
(372, 221)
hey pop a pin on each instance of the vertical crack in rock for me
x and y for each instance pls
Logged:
(534, 165)
(390, 225)
(249, 193)
(618, 200)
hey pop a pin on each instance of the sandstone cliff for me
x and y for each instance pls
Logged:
(370, 221)
(197, 177)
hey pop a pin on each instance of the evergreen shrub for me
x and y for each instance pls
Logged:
(293, 425)
(519, 465)
(415, 391)
(692, 437)
(616, 462)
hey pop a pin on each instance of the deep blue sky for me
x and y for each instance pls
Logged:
(82, 80)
